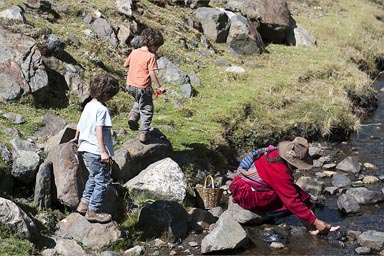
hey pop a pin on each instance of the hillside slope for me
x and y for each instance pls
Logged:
(286, 92)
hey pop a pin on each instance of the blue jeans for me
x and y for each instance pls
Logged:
(143, 106)
(98, 180)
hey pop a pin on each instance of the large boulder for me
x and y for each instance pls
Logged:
(365, 196)
(105, 31)
(26, 160)
(273, 17)
(215, 23)
(17, 220)
(22, 70)
(243, 37)
(69, 177)
(163, 179)
(227, 234)
(164, 217)
(242, 215)
(134, 156)
(92, 235)
(170, 73)
(14, 13)
(44, 186)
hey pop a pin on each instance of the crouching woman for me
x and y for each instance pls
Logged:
(265, 184)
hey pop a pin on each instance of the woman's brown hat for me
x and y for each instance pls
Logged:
(296, 153)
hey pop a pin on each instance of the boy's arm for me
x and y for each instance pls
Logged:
(100, 141)
(126, 62)
(76, 138)
(154, 79)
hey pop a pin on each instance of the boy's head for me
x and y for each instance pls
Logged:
(151, 38)
(103, 87)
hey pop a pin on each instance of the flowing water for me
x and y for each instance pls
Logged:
(367, 145)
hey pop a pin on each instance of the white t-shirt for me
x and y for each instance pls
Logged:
(95, 114)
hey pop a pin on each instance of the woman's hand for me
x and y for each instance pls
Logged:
(322, 228)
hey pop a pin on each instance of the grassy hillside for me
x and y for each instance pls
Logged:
(294, 91)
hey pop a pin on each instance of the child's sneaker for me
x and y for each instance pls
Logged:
(82, 208)
(132, 122)
(99, 217)
(144, 137)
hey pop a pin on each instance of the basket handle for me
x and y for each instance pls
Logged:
(205, 182)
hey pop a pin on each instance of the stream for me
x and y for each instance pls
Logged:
(367, 145)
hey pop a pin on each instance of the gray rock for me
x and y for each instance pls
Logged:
(187, 90)
(22, 68)
(104, 30)
(243, 216)
(164, 179)
(349, 164)
(235, 70)
(227, 234)
(135, 43)
(14, 13)
(299, 36)
(14, 118)
(202, 217)
(134, 156)
(69, 177)
(363, 250)
(194, 79)
(17, 220)
(215, 23)
(134, 251)
(42, 5)
(124, 34)
(273, 15)
(76, 84)
(329, 166)
(52, 46)
(370, 179)
(371, 239)
(365, 196)
(348, 204)
(52, 124)
(92, 235)
(311, 185)
(164, 216)
(63, 136)
(26, 160)
(6, 155)
(331, 190)
(341, 181)
(43, 186)
(67, 247)
(243, 36)
(124, 7)
(169, 73)
(216, 211)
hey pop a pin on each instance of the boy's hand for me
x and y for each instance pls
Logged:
(161, 90)
(104, 157)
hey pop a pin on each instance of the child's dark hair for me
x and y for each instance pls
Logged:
(103, 87)
(151, 37)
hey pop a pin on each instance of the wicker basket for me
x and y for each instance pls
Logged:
(208, 198)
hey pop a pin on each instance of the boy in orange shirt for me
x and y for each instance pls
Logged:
(141, 74)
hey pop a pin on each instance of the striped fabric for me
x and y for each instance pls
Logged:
(247, 169)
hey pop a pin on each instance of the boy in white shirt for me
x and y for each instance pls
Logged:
(95, 146)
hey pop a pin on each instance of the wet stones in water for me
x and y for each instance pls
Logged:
(270, 236)
(336, 239)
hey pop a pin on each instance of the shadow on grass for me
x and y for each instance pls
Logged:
(200, 157)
